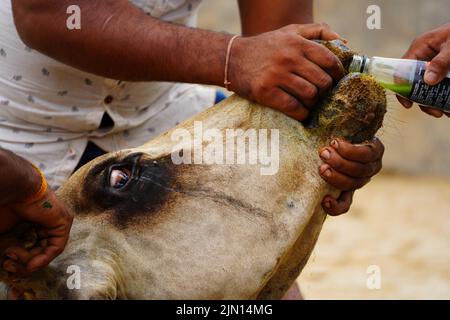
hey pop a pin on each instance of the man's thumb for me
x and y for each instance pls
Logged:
(438, 68)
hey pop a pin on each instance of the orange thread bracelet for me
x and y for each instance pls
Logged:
(226, 82)
(42, 188)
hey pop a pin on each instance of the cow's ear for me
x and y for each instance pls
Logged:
(354, 109)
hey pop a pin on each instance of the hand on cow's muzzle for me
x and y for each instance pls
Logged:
(52, 223)
(348, 167)
(290, 80)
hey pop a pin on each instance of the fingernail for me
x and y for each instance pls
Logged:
(12, 256)
(335, 144)
(430, 77)
(325, 154)
(327, 173)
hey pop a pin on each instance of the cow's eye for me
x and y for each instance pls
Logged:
(119, 177)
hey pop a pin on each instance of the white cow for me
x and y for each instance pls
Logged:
(149, 227)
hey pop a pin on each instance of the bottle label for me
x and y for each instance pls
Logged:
(437, 96)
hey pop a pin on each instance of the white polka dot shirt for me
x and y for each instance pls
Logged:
(49, 111)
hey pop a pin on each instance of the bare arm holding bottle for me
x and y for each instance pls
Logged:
(433, 46)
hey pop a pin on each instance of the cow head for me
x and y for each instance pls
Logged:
(149, 227)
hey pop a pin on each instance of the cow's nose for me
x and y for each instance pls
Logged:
(97, 293)
(88, 280)
(70, 280)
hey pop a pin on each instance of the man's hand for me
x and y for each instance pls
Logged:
(348, 167)
(52, 221)
(284, 69)
(52, 224)
(433, 46)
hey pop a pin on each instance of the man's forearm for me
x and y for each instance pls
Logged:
(19, 180)
(282, 69)
(117, 40)
(258, 16)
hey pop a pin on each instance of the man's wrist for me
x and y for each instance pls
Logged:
(216, 74)
(41, 191)
(236, 63)
(227, 81)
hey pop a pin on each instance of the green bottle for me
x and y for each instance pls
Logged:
(405, 78)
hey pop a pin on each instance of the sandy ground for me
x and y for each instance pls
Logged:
(399, 224)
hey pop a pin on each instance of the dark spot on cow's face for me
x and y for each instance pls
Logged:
(129, 186)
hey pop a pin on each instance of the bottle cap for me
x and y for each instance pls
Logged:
(358, 64)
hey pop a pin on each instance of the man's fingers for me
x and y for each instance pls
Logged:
(318, 31)
(419, 52)
(283, 101)
(18, 259)
(40, 256)
(19, 254)
(341, 181)
(54, 245)
(363, 153)
(27, 261)
(300, 114)
(350, 168)
(315, 75)
(15, 268)
(43, 259)
(304, 91)
(439, 66)
(405, 102)
(432, 112)
(325, 59)
(335, 207)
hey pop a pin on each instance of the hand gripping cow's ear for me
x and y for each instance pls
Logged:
(354, 109)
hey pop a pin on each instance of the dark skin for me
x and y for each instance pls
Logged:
(289, 80)
(20, 181)
(433, 46)
(293, 81)
(295, 77)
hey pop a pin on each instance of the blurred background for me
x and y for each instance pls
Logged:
(398, 229)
